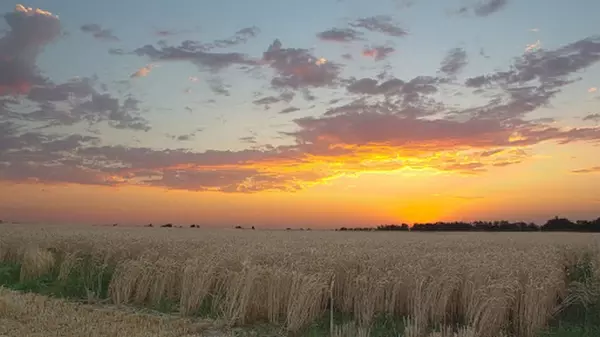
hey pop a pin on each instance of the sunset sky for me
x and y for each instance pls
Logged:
(299, 113)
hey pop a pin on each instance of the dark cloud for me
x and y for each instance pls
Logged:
(98, 32)
(297, 68)
(34, 156)
(592, 118)
(289, 110)
(454, 62)
(368, 128)
(248, 139)
(340, 35)
(370, 86)
(286, 96)
(29, 32)
(534, 79)
(483, 7)
(185, 137)
(194, 52)
(398, 131)
(550, 68)
(78, 101)
(411, 97)
(381, 24)
(241, 36)
(595, 169)
(487, 7)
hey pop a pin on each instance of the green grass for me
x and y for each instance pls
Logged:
(82, 282)
(581, 318)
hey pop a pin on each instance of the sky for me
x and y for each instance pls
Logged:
(307, 114)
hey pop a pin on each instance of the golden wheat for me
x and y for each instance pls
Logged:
(491, 282)
(31, 315)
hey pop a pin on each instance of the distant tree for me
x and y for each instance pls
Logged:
(167, 225)
(288, 229)
(238, 227)
(115, 224)
(192, 226)
(559, 224)
(149, 225)
(252, 227)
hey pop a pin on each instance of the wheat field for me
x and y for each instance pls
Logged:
(451, 284)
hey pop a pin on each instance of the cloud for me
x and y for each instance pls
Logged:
(371, 86)
(142, 72)
(488, 7)
(378, 138)
(241, 36)
(592, 118)
(340, 35)
(29, 156)
(412, 97)
(297, 68)
(534, 46)
(381, 24)
(378, 53)
(595, 169)
(490, 153)
(98, 32)
(267, 101)
(381, 123)
(117, 51)
(592, 90)
(193, 52)
(550, 68)
(289, 110)
(248, 139)
(30, 30)
(454, 62)
(185, 137)
(77, 101)
(218, 87)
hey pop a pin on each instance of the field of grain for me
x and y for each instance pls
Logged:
(346, 283)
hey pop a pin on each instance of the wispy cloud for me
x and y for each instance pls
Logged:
(595, 169)
(98, 32)
(454, 62)
(592, 118)
(340, 35)
(382, 24)
(483, 7)
(143, 71)
(487, 7)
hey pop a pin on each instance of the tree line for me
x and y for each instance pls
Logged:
(553, 225)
